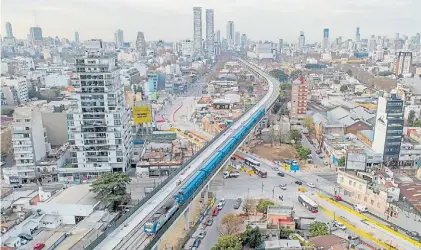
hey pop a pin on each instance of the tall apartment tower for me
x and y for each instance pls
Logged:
(77, 37)
(301, 40)
(218, 36)
(197, 29)
(119, 40)
(210, 35)
(357, 35)
(230, 33)
(9, 31)
(388, 127)
(237, 38)
(99, 119)
(402, 63)
(141, 44)
(299, 97)
(325, 39)
(35, 34)
(243, 41)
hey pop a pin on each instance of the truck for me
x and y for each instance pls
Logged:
(233, 174)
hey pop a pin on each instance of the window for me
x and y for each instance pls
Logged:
(365, 199)
(350, 182)
(372, 202)
(355, 183)
(116, 116)
(27, 120)
(360, 186)
(117, 122)
(359, 197)
(378, 204)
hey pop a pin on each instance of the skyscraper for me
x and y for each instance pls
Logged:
(76, 37)
(402, 64)
(141, 44)
(99, 121)
(119, 40)
(243, 41)
(281, 45)
(210, 39)
(237, 39)
(230, 33)
(9, 31)
(197, 29)
(357, 35)
(325, 38)
(35, 34)
(301, 40)
(218, 36)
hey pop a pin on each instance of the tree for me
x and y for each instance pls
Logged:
(349, 72)
(416, 123)
(411, 117)
(231, 224)
(249, 205)
(284, 232)
(111, 188)
(228, 242)
(279, 74)
(7, 111)
(318, 228)
(302, 152)
(344, 88)
(252, 237)
(308, 123)
(295, 135)
(295, 74)
(341, 161)
(263, 205)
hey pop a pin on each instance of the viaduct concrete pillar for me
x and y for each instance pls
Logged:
(186, 218)
(206, 196)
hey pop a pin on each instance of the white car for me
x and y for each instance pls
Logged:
(311, 185)
(220, 206)
(223, 201)
(339, 225)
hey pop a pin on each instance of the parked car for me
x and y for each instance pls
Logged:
(223, 201)
(413, 234)
(220, 206)
(215, 211)
(281, 174)
(393, 227)
(318, 151)
(209, 222)
(39, 246)
(25, 236)
(337, 198)
(311, 185)
(283, 186)
(196, 243)
(298, 182)
(237, 203)
(16, 185)
(201, 234)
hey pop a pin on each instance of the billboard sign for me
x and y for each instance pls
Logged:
(356, 161)
(142, 114)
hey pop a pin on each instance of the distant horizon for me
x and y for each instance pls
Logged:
(173, 21)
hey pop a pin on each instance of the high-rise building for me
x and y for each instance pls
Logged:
(243, 41)
(9, 31)
(77, 37)
(141, 44)
(357, 35)
(301, 40)
(326, 38)
(197, 29)
(35, 34)
(402, 63)
(98, 121)
(230, 33)
(281, 45)
(210, 39)
(388, 127)
(218, 36)
(119, 40)
(187, 47)
(417, 39)
(237, 40)
(299, 97)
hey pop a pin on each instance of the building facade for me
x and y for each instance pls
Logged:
(119, 40)
(230, 33)
(99, 119)
(299, 97)
(197, 29)
(210, 39)
(325, 39)
(141, 44)
(187, 47)
(402, 63)
(9, 31)
(35, 34)
(388, 127)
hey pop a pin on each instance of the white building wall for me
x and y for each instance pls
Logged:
(57, 80)
(187, 48)
(380, 126)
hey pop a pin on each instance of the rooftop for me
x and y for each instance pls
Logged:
(77, 194)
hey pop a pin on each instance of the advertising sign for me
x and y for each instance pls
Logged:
(356, 161)
(142, 114)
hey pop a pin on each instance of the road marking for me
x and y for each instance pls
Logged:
(403, 236)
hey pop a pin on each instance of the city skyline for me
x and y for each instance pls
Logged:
(374, 17)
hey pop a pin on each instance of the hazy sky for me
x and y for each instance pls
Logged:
(173, 19)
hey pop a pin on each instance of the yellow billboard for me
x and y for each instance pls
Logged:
(142, 114)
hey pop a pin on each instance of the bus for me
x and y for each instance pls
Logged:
(308, 203)
(251, 162)
(260, 172)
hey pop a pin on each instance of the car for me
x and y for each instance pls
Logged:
(223, 201)
(283, 186)
(16, 185)
(196, 243)
(318, 151)
(220, 206)
(237, 203)
(394, 228)
(337, 198)
(39, 246)
(281, 174)
(209, 222)
(25, 236)
(298, 182)
(215, 211)
(339, 225)
(201, 234)
(413, 234)
(321, 156)
(311, 185)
